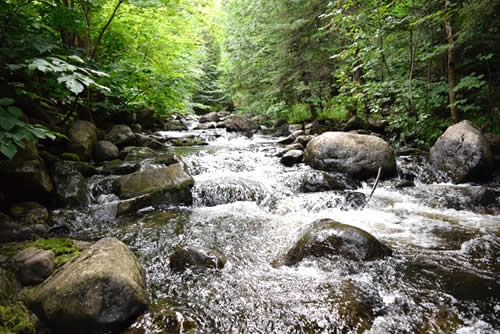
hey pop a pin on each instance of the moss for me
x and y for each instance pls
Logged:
(64, 249)
(70, 156)
(15, 318)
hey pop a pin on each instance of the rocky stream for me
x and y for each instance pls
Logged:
(254, 230)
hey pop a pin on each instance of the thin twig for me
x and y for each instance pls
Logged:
(376, 181)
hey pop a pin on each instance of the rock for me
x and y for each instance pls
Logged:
(161, 319)
(295, 127)
(473, 198)
(105, 151)
(118, 167)
(121, 136)
(303, 140)
(82, 139)
(377, 125)
(317, 181)
(205, 126)
(25, 177)
(220, 125)
(145, 117)
(137, 128)
(292, 157)
(29, 213)
(239, 123)
(188, 141)
(463, 153)
(175, 125)
(34, 265)
(493, 140)
(281, 131)
(102, 290)
(225, 190)
(146, 141)
(9, 286)
(296, 146)
(18, 231)
(133, 153)
(327, 238)
(170, 185)
(357, 155)
(291, 138)
(209, 118)
(354, 200)
(197, 257)
(83, 168)
(70, 187)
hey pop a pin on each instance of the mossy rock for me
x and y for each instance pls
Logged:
(70, 156)
(64, 249)
(16, 318)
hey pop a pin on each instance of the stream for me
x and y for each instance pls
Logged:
(442, 278)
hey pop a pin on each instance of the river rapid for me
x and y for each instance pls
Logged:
(442, 278)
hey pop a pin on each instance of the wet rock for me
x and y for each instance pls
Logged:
(327, 238)
(121, 136)
(316, 181)
(34, 265)
(11, 230)
(220, 125)
(137, 128)
(296, 146)
(303, 140)
(70, 188)
(118, 167)
(377, 125)
(175, 125)
(404, 184)
(161, 319)
(357, 155)
(493, 140)
(25, 177)
(295, 127)
(102, 290)
(84, 168)
(354, 201)
(105, 151)
(209, 118)
(469, 285)
(29, 213)
(210, 125)
(463, 153)
(145, 117)
(188, 141)
(292, 157)
(164, 185)
(133, 153)
(291, 138)
(82, 139)
(147, 141)
(196, 257)
(474, 198)
(280, 131)
(240, 123)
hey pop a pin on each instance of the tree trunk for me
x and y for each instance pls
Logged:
(451, 62)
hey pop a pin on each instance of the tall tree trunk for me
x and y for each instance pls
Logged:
(451, 61)
(103, 30)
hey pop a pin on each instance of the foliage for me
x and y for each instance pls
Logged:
(15, 318)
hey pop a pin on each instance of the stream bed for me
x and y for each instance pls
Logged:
(443, 276)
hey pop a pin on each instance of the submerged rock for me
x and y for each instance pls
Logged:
(102, 290)
(223, 191)
(326, 238)
(317, 181)
(34, 265)
(164, 185)
(196, 257)
(162, 319)
(82, 139)
(357, 155)
(463, 153)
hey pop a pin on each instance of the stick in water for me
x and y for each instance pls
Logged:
(376, 181)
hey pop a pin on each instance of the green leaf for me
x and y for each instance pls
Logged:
(76, 58)
(5, 101)
(71, 83)
(7, 123)
(14, 111)
(8, 149)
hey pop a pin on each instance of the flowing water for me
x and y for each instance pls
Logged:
(442, 278)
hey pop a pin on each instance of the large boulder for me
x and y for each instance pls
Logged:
(196, 257)
(357, 155)
(82, 139)
(25, 177)
(102, 290)
(70, 187)
(463, 153)
(163, 185)
(34, 265)
(121, 136)
(240, 123)
(327, 238)
(210, 117)
(105, 151)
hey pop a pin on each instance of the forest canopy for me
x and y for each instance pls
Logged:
(419, 65)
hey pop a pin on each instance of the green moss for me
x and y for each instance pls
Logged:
(15, 318)
(64, 249)
(70, 156)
